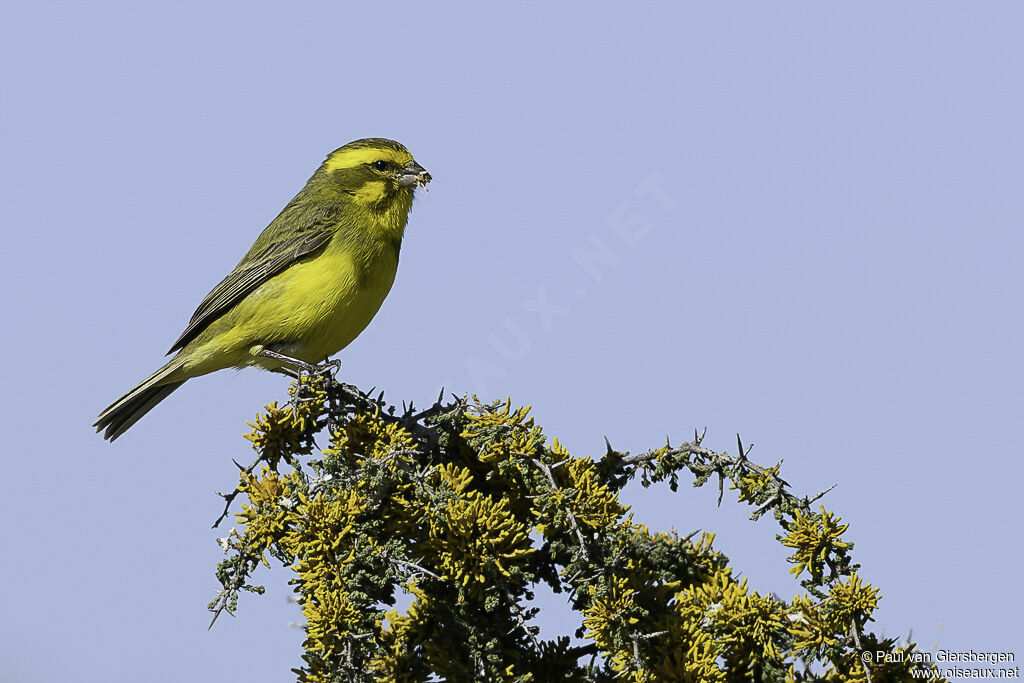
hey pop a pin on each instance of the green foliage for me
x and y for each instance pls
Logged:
(467, 506)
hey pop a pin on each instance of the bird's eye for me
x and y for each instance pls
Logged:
(380, 165)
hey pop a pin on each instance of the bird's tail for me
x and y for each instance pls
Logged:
(129, 409)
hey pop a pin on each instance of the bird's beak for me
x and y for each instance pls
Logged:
(413, 175)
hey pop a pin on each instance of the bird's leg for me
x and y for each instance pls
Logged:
(295, 362)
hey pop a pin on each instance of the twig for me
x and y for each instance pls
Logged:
(519, 617)
(554, 487)
(855, 632)
(225, 595)
(229, 498)
(407, 563)
(808, 502)
(775, 498)
(688, 449)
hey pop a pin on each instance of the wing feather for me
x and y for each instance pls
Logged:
(249, 275)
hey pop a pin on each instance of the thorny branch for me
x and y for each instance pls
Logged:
(723, 464)
(703, 462)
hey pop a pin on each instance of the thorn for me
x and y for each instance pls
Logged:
(440, 397)
(821, 494)
(608, 445)
(739, 444)
(721, 488)
(237, 465)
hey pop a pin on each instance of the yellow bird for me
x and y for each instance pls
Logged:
(309, 285)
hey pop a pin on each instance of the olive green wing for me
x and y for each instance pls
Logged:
(249, 275)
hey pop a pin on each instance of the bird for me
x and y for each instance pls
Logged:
(310, 283)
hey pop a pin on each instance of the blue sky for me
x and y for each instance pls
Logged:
(798, 222)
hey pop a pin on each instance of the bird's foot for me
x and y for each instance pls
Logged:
(329, 368)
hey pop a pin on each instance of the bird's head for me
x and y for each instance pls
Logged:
(374, 172)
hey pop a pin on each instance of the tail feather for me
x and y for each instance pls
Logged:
(129, 409)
